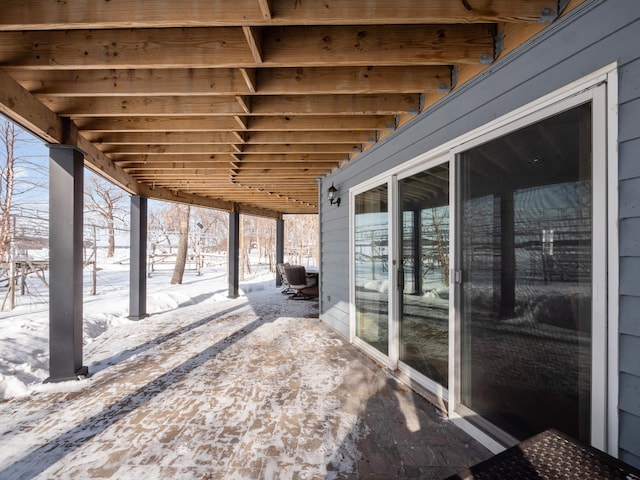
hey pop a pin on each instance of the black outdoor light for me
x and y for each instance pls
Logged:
(332, 196)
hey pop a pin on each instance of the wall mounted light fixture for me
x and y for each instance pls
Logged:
(333, 191)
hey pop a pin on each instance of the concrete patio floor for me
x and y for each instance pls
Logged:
(255, 387)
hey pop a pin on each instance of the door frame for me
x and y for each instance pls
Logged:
(605, 126)
(405, 370)
(353, 338)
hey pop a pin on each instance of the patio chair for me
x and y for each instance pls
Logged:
(306, 287)
(286, 288)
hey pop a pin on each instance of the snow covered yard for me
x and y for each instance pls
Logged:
(210, 387)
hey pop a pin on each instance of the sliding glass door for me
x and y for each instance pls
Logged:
(480, 273)
(371, 254)
(424, 272)
(526, 228)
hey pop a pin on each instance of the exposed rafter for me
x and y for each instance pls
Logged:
(241, 105)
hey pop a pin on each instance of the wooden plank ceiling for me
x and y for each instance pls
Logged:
(239, 105)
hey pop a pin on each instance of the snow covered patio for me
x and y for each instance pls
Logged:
(254, 387)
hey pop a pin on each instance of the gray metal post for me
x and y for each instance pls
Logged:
(233, 255)
(279, 247)
(66, 179)
(138, 264)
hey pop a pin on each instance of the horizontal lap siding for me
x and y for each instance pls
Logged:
(592, 36)
(629, 192)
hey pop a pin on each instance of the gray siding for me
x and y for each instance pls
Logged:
(595, 34)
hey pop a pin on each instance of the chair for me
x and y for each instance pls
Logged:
(306, 287)
(286, 288)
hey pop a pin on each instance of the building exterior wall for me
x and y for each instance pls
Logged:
(595, 34)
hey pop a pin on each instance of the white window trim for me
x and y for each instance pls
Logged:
(613, 264)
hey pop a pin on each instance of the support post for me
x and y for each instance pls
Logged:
(233, 254)
(279, 247)
(66, 164)
(138, 264)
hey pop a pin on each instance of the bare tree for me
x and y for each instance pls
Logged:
(183, 245)
(105, 201)
(163, 223)
(301, 239)
(265, 238)
(247, 233)
(20, 176)
(8, 137)
(215, 228)
(439, 220)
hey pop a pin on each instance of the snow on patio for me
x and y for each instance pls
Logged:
(210, 387)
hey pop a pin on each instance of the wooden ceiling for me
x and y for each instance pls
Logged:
(241, 105)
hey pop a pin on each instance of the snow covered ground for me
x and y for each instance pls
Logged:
(209, 387)
(24, 332)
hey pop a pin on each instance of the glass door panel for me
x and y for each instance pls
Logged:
(424, 308)
(526, 259)
(371, 245)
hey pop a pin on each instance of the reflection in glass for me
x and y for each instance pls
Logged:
(371, 267)
(424, 320)
(526, 228)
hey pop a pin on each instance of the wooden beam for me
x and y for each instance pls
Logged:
(240, 122)
(303, 177)
(23, 108)
(352, 12)
(377, 45)
(194, 157)
(212, 173)
(197, 161)
(171, 158)
(310, 137)
(265, 8)
(99, 163)
(203, 149)
(309, 123)
(249, 165)
(160, 138)
(190, 166)
(185, 184)
(385, 104)
(369, 79)
(178, 196)
(245, 103)
(254, 39)
(249, 76)
(143, 106)
(296, 148)
(132, 166)
(43, 14)
(129, 49)
(225, 47)
(133, 82)
(294, 157)
(157, 124)
(260, 212)
(231, 82)
(252, 190)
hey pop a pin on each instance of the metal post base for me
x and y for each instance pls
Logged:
(80, 374)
